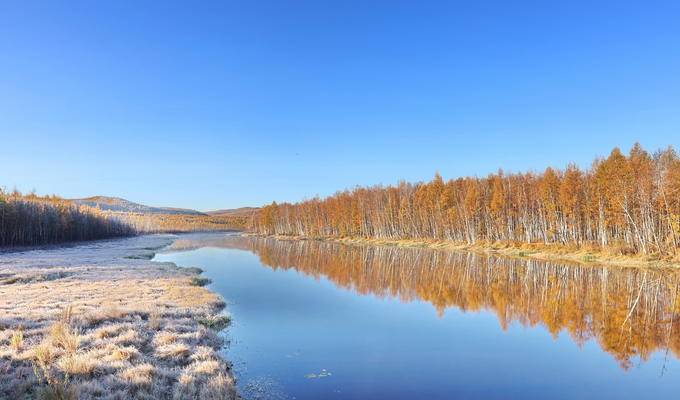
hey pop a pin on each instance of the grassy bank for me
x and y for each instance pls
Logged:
(536, 251)
(100, 320)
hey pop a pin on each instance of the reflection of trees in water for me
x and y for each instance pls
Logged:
(193, 241)
(630, 312)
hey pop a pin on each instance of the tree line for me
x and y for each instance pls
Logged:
(629, 203)
(31, 220)
(27, 220)
(178, 223)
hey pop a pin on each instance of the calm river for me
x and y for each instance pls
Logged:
(315, 320)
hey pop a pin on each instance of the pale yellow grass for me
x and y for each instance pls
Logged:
(582, 255)
(102, 321)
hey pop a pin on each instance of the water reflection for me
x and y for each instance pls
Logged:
(631, 313)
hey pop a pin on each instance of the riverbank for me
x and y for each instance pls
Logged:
(101, 320)
(534, 251)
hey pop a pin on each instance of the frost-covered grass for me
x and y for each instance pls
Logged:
(100, 320)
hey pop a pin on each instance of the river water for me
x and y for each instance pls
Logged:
(318, 320)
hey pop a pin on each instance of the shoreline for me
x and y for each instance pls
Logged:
(530, 251)
(100, 318)
(64, 244)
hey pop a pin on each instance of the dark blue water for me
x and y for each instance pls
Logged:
(316, 321)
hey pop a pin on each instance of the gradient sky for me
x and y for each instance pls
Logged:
(231, 103)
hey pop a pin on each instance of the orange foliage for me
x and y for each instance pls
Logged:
(628, 203)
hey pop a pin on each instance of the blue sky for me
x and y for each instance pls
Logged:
(225, 104)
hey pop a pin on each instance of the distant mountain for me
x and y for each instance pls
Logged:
(117, 204)
(233, 212)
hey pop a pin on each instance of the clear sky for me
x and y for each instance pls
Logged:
(231, 103)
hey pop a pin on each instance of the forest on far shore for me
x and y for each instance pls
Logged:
(625, 203)
(28, 220)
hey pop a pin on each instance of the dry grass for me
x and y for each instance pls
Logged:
(64, 337)
(175, 351)
(109, 327)
(78, 364)
(154, 321)
(140, 374)
(17, 339)
(43, 357)
(128, 353)
(216, 322)
(164, 338)
(57, 391)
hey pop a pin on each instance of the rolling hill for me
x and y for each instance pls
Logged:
(234, 212)
(117, 204)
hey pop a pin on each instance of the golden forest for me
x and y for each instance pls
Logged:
(627, 204)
